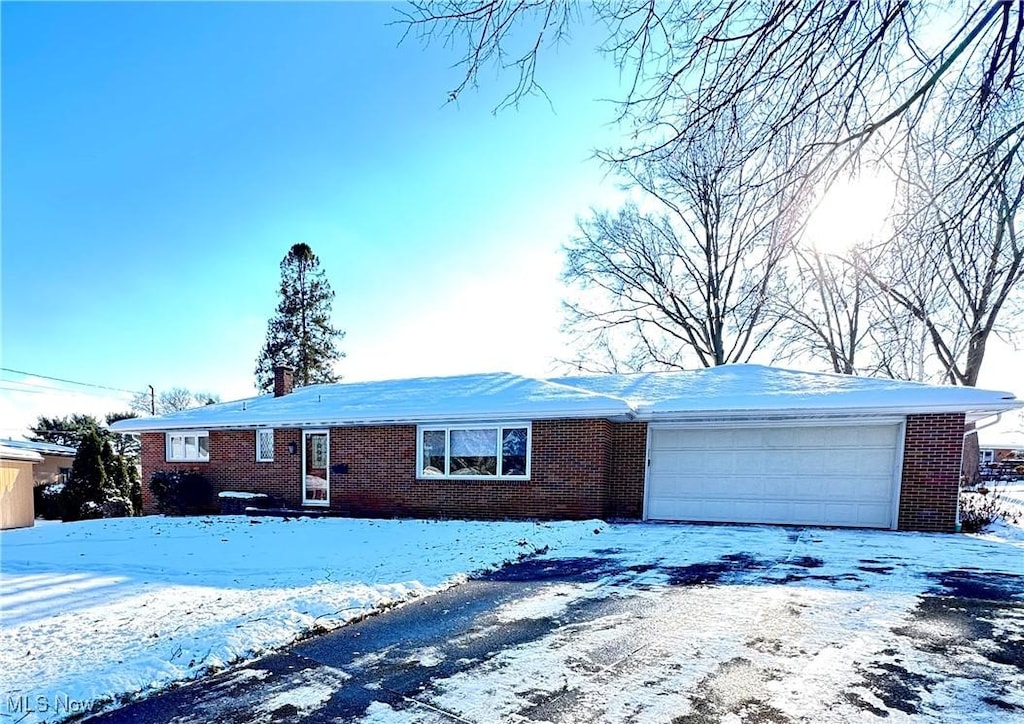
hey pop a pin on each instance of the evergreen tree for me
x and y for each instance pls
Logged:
(65, 430)
(126, 446)
(300, 333)
(134, 487)
(84, 491)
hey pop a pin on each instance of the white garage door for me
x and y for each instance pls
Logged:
(822, 475)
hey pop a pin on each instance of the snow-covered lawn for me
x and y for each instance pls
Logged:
(99, 609)
(635, 622)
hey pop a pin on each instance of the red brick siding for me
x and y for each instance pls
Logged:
(627, 467)
(570, 468)
(232, 465)
(932, 454)
(567, 477)
(580, 469)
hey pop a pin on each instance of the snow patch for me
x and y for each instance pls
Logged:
(98, 609)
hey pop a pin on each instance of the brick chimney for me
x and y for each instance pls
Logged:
(284, 380)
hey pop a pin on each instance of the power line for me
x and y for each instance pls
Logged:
(70, 382)
(38, 387)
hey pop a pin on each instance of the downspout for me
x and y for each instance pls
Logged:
(974, 430)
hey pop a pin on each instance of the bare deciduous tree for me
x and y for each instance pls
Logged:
(172, 400)
(957, 261)
(827, 311)
(847, 69)
(689, 281)
(958, 257)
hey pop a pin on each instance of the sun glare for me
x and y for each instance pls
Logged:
(851, 212)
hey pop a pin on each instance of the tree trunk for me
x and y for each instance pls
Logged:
(971, 467)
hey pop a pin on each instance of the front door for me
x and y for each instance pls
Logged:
(316, 464)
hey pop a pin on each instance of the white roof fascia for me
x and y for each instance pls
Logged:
(826, 412)
(619, 414)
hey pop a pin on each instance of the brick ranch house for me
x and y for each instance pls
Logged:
(740, 443)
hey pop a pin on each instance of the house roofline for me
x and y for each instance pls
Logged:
(26, 456)
(617, 415)
(973, 411)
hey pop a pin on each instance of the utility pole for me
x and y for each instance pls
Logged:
(152, 400)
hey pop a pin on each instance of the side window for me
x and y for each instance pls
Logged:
(189, 446)
(265, 445)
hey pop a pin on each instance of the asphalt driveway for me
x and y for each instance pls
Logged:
(660, 623)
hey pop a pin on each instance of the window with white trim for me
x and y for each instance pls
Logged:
(192, 446)
(265, 445)
(474, 451)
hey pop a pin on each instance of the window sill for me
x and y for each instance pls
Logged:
(187, 460)
(473, 478)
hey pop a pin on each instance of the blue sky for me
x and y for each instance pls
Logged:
(159, 160)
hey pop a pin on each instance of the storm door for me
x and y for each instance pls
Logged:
(316, 464)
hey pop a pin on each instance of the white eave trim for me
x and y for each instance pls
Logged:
(824, 413)
(617, 415)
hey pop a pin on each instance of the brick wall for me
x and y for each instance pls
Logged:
(627, 467)
(232, 464)
(577, 471)
(932, 453)
(567, 476)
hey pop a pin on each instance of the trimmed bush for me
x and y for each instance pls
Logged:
(181, 492)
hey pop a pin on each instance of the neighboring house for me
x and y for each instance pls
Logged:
(1001, 455)
(56, 463)
(740, 443)
(17, 509)
(994, 447)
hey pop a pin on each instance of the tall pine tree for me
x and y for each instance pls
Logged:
(300, 333)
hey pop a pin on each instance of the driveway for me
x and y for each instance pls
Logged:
(659, 623)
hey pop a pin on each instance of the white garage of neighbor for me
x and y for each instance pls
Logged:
(834, 474)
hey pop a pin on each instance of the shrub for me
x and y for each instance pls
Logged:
(181, 492)
(982, 508)
(48, 501)
(84, 489)
(116, 508)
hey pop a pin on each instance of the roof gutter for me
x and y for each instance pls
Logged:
(617, 415)
(137, 425)
(819, 412)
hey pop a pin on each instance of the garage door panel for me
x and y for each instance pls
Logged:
(814, 475)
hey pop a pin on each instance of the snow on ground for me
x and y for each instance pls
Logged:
(817, 625)
(795, 625)
(1009, 492)
(98, 609)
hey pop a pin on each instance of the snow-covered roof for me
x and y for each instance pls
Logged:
(8, 452)
(494, 397)
(730, 392)
(45, 448)
(744, 390)
(1001, 440)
